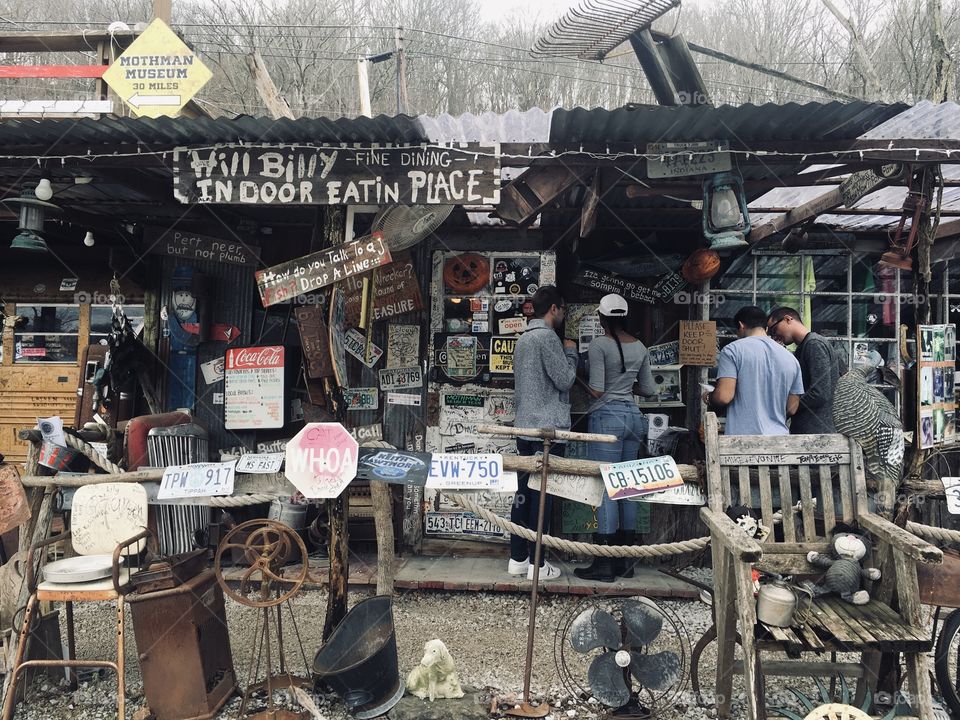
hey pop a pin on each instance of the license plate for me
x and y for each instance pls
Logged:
(197, 480)
(640, 477)
(455, 523)
(466, 472)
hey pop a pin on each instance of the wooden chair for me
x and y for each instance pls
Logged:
(825, 474)
(105, 518)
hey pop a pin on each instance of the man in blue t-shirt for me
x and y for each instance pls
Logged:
(758, 380)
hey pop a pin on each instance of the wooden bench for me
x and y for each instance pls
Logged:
(825, 474)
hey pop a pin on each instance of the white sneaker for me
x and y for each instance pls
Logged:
(547, 572)
(518, 567)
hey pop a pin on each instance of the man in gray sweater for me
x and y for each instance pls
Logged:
(820, 366)
(544, 370)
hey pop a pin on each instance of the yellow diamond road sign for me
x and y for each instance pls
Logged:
(158, 74)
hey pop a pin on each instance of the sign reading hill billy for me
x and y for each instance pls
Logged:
(282, 282)
(467, 174)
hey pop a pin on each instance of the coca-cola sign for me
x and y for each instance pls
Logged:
(266, 356)
(254, 388)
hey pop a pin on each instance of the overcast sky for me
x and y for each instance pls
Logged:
(546, 9)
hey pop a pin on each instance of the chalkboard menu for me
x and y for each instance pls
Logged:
(254, 395)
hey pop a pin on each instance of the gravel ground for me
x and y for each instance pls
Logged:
(485, 632)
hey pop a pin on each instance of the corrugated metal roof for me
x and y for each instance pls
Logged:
(514, 126)
(170, 132)
(888, 200)
(740, 124)
(924, 121)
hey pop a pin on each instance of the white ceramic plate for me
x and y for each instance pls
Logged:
(82, 568)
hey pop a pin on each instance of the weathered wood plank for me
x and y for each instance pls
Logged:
(804, 669)
(845, 629)
(902, 541)
(715, 492)
(766, 496)
(805, 445)
(846, 495)
(825, 475)
(726, 482)
(786, 503)
(743, 473)
(728, 535)
(753, 682)
(806, 504)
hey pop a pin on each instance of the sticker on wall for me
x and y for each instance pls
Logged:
(212, 370)
(461, 356)
(394, 398)
(516, 275)
(403, 345)
(68, 284)
(458, 400)
(361, 398)
(366, 433)
(590, 328)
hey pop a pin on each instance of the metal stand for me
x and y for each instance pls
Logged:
(525, 709)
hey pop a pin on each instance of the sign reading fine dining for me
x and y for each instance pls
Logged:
(285, 281)
(232, 174)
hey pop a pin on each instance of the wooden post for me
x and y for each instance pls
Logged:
(331, 232)
(383, 519)
(363, 87)
(163, 9)
(402, 100)
(337, 509)
(266, 88)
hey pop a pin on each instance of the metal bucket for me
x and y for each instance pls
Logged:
(56, 457)
(359, 661)
(292, 515)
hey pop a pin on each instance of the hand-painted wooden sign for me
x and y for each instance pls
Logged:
(612, 284)
(276, 174)
(396, 290)
(314, 341)
(194, 246)
(679, 159)
(285, 281)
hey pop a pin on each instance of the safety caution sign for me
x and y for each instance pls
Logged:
(158, 74)
(501, 354)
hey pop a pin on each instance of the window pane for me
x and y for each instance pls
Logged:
(101, 317)
(45, 348)
(829, 273)
(829, 315)
(874, 319)
(49, 318)
(738, 276)
(723, 312)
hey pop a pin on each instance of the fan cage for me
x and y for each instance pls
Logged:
(581, 693)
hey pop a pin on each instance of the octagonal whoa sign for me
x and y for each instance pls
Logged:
(321, 460)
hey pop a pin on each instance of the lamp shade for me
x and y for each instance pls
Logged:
(29, 240)
(725, 210)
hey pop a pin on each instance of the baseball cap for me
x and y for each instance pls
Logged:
(613, 305)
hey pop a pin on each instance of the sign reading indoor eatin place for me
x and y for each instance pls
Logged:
(275, 174)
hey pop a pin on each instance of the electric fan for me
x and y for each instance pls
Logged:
(629, 654)
(404, 226)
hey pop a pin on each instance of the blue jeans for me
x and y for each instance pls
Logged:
(526, 503)
(623, 419)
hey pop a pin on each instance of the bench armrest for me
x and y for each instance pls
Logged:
(731, 536)
(117, 552)
(908, 543)
(33, 567)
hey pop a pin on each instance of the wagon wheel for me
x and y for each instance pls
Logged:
(837, 711)
(266, 545)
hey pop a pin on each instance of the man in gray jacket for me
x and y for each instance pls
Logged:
(545, 369)
(820, 365)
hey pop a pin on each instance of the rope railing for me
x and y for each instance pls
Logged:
(581, 548)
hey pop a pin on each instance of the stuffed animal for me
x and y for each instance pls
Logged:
(845, 574)
(435, 677)
(748, 521)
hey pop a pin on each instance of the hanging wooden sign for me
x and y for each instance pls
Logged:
(194, 246)
(612, 284)
(285, 281)
(279, 174)
(313, 340)
(396, 290)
